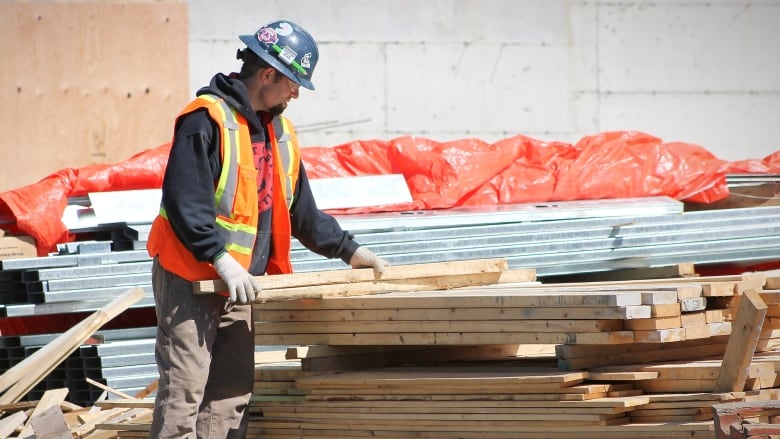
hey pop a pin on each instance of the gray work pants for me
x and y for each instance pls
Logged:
(205, 357)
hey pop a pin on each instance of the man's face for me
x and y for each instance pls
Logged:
(287, 89)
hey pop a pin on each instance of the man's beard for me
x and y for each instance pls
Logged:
(277, 110)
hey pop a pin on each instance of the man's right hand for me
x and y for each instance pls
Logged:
(242, 286)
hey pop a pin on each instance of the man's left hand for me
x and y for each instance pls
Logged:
(365, 258)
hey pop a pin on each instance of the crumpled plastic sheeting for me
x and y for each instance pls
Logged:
(38, 208)
(769, 165)
(521, 169)
(440, 175)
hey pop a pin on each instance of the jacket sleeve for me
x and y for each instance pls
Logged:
(188, 184)
(317, 230)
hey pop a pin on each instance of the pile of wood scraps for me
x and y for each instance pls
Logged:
(52, 416)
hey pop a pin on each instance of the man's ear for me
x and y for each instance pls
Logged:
(268, 75)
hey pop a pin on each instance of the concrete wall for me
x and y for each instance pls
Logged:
(698, 71)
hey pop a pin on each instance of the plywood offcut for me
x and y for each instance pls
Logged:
(87, 83)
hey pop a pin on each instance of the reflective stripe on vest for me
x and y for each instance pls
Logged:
(287, 155)
(240, 238)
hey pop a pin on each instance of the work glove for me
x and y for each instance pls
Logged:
(364, 258)
(242, 286)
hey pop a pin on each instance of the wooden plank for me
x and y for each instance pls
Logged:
(670, 418)
(474, 297)
(329, 416)
(651, 294)
(446, 338)
(125, 403)
(697, 332)
(718, 329)
(418, 376)
(770, 296)
(772, 280)
(543, 430)
(88, 426)
(273, 356)
(712, 289)
(663, 296)
(362, 275)
(389, 357)
(22, 405)
(639, 356)
(621, 376)
(371, 326)
(454, 389)
(135, 420)
(50, 398)
(108, 389)
(665, 310)
(612, 405)
(693, 304)
(756, 280)
(30, 371)
(676, 386)
(698, 318)
(717, 315)
(381, 286)
(742, 343)
(288, 371)
(574, 351)
(49, 424)
(660, 335)
(308, 411)
(464, 397)
(654, 323)
(151, 388)
(648, 274)
(702, 369)
(458, 313)
(11, 423)
(688, 411)
(447, 425)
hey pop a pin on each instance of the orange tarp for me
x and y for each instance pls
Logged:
(440, 175)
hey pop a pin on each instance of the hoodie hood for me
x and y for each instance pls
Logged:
(234, 92)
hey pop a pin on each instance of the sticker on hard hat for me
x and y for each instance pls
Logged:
(287, 55)
(284, 29)
(267, 35)
(306, 60)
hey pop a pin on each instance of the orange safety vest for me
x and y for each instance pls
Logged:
(236, 197)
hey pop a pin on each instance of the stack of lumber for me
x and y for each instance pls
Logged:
(397, 364)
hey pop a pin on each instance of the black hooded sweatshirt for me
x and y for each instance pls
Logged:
(193, 169)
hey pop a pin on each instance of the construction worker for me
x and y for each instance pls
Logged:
(233, 194)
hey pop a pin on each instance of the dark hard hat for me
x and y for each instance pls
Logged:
(288, 48)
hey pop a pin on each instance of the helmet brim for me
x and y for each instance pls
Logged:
(254, 45)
